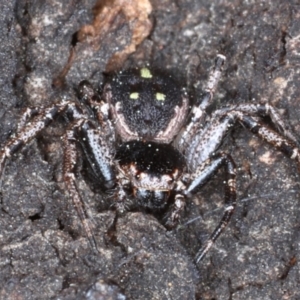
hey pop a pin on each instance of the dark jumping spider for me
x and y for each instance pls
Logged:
(147, 146)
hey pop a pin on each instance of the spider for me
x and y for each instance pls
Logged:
(147, 146)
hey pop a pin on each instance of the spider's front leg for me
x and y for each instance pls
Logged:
(99, 143)
(97, 138)
(173, 215)
(196, 181)
(99, 158)
(200, 177)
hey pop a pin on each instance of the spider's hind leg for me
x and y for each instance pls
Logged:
(27, 132)
(248, 115)
(279, 141)
(208, 140)
(261, 110)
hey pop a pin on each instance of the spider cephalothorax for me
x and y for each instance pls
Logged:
(147, 146)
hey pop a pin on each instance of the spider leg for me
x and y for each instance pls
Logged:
(285, 141)
(29, 131)
(198, 115)
(209, 139)
(28, 114)
(286, 146)
(95, 144)
(26, 132)
(89, 97)
(107, 141)
(69, 169)
(262, 110)
(93, 140)
(202, 175)
(204, 147)
(173, 215)
(207, 142)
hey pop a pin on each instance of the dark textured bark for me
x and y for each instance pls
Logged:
(43, 251)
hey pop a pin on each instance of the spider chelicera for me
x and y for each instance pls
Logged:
(147, 146)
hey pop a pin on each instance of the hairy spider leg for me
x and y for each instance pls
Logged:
(198, 115)
(30, 130)
(209, 139)
(95, 139)
(27, 114)
(27, 132)
(173, 215)
(69, 170)
(213, 134)
(202, 175)
(100, 109)
(107, 139)
(262, 110)
(287, 147)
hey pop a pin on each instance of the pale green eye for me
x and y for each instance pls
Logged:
(134, 96)
(160, 97)
(145, 73)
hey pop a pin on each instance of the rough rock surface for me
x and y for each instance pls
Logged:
(43, 251)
